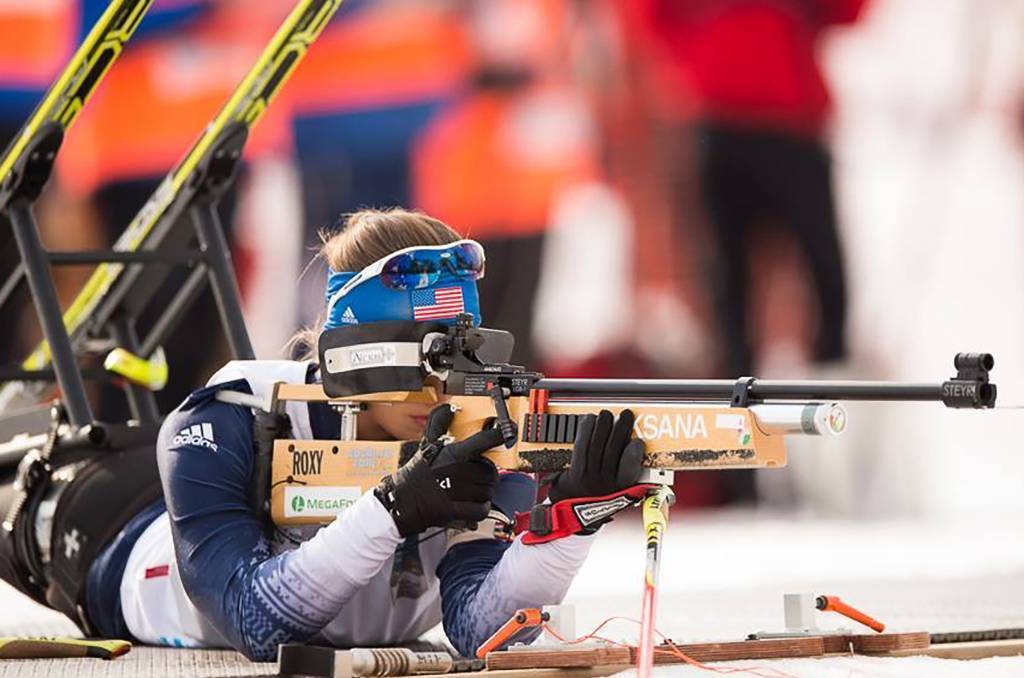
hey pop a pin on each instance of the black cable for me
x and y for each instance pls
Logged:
(976, 636)
(431, 536)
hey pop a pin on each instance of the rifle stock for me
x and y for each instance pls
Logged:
(680, 436)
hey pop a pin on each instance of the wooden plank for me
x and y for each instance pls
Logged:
(770, 648)
(774, 648)
(977, 650)
(877, 643)
(588, 672)
(559, 658)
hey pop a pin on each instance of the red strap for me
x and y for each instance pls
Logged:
(548, 522)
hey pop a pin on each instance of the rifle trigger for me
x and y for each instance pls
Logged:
(508, 428)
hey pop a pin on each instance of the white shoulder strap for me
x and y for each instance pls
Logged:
(261, 376)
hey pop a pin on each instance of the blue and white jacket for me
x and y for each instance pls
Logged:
(204, 573)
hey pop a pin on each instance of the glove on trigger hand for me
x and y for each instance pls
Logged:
(441, 484)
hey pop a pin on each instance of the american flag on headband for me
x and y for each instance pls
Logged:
(445, 302)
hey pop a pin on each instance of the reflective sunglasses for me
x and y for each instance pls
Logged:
(417, 267)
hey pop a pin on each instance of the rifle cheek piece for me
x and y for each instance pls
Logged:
(375, 357)
(970, 387)
(400, 355)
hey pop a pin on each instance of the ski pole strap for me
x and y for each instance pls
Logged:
(577, 515)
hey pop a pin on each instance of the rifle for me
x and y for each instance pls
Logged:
(686, 424)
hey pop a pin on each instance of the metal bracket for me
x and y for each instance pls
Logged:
(347, 412)
(741, 391)
(30, 174)
(216, 171)
(656, 476)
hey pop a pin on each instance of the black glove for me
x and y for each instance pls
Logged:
(441, 484)
(603, 478)
(604, 458)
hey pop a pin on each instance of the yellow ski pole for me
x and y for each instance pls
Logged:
(61, 648)
(655, 514)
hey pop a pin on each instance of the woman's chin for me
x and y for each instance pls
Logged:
(407, 430)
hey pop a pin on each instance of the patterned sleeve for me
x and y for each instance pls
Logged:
(254, 599)
(484, 582)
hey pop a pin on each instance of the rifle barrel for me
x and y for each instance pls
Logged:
(757, 390)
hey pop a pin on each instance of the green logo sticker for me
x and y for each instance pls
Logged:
(325, 502)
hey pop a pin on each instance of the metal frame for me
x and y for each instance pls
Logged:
(148, 269)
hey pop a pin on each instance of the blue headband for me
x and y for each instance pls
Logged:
(372, 301)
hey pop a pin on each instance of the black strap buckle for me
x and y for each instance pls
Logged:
(540, 520)
(32, 473)
(31, 483)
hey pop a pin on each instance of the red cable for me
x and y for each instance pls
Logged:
(675, 651)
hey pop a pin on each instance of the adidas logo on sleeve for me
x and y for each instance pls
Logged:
(348, 317)
(199, 435)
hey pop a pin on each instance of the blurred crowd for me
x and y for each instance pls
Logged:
(652, 180)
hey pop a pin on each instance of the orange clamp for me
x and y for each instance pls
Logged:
(538, 401)
(538, 405)
(522, 619)
(835, 604)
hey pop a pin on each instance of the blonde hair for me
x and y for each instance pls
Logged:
(364, 237)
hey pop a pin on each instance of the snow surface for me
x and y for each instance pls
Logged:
(859, 667)
(723, 576)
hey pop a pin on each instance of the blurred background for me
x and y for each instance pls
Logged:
(665, 188)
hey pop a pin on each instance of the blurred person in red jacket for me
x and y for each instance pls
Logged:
(751, 68)
(497, 160)
(763, 107)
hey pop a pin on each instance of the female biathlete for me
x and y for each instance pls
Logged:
(198, 568)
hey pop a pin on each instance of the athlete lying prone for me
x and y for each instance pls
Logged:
(430, 543)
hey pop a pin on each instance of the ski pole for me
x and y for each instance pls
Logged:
(655, 514)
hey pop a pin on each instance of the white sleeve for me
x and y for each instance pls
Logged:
(524, 576)
(532, 576)
(351, 549)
